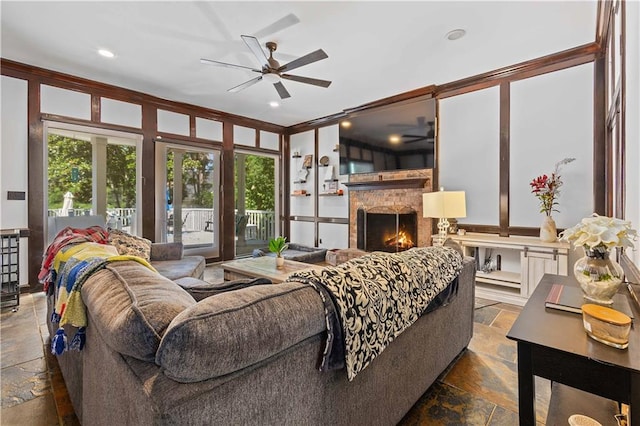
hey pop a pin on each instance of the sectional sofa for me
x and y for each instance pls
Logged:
(249, 356)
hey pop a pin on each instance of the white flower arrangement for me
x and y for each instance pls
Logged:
(600, 233)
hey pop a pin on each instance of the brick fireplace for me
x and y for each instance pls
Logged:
(390, 229)
(398, 191)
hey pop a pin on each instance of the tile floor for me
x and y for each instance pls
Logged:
(479, 388)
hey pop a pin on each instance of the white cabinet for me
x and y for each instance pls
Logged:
(509, 268)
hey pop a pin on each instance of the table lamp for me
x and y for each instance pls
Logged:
(443, 205)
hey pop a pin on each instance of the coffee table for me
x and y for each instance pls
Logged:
(263, 267)
(553, 344)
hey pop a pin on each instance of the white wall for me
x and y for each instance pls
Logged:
(337, 207)
(470, 152)
(304, 144)
(552, 119)
(13, 160)
(632, 196)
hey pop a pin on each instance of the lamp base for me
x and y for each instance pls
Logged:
(443, 226)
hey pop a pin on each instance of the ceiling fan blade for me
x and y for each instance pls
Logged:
(254, 45)
(420, 139)
(279, 25)
(282, 91)
(245, 84)
(305, 60)
(224, 64)
(307, 80)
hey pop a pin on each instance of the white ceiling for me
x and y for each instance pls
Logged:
(376, 49)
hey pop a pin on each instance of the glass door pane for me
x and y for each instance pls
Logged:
(256, 201)
(91, 173)
(192, 192)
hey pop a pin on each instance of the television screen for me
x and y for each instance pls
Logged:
(398, 137)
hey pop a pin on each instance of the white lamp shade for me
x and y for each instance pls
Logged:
(447, 204)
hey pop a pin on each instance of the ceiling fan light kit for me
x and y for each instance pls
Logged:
(272, 71)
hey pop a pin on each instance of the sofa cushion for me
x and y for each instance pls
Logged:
(130, 244)
(236, 329)
(199, 289)
(188, 266)
(132, 306)
(167, 251)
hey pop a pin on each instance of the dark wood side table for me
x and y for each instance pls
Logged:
(553, 344)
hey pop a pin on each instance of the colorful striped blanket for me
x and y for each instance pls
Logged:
(67, 236)
(73, 265)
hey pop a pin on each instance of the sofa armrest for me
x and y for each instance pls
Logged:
(166, 251)
(239, 329)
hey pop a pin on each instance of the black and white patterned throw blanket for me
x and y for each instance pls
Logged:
(370, 300)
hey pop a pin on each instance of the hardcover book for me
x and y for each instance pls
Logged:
(570, 299)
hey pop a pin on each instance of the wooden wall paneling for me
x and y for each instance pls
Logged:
(228, 200)
(66, 81)
(505, 159)
(601, 198)
(148, 207)
(603, 21)
(554, 62)
(316, 191)
(622, 188)
(95, 108)
(35, 185)
(192, 126)
(285, 186)
(90, 123)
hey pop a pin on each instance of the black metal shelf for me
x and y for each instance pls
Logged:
(10, 267)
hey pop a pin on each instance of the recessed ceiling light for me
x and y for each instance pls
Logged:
(455, 34)
(106, 53)
(345, 124)
(394, 139)
(274, 104)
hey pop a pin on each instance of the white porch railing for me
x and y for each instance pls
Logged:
(261, 224)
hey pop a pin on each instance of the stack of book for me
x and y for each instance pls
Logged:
(570, 298)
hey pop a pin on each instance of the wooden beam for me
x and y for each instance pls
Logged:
(599, 139)
(148, 207)
(36, 189)
(557, 61)
(505, 159)
(70, 82)
(228, 222)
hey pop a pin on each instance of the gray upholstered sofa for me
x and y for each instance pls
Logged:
(155, 356)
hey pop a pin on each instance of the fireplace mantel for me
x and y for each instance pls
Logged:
(387, 184)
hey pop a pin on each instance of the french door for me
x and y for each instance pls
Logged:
(93, 172)
(189, 197)
(256, 201)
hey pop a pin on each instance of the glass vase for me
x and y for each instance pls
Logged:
(599, 275)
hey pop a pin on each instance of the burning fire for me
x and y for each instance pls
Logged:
(400, 240)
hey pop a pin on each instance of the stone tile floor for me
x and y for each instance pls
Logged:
(479, 388)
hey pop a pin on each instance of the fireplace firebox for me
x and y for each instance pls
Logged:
(390, 229)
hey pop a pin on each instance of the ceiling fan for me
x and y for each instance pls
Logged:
(424, 128)
(271, 70)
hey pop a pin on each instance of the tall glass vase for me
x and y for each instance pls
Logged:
(599, 275)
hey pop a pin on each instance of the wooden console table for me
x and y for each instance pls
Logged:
(524, 261)
(553, 344)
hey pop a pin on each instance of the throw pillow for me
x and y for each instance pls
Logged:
(130, 244)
